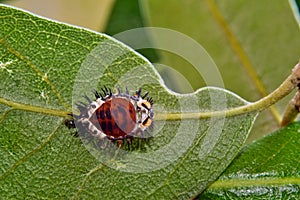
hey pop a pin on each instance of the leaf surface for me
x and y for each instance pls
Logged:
(252, 43)
(265, 169)
(48, 66)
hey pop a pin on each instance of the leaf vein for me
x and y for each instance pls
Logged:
(166, 182)
(30, 154)
(39, 73)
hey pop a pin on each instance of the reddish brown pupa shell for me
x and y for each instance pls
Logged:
(115, 116)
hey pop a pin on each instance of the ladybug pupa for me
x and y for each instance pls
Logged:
(115, 116)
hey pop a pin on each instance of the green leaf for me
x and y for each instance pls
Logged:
(251, 42)
(265, 169)
(47, 66)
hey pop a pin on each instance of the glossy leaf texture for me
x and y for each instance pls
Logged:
(295, 4)
(265, 169)
(46, 65)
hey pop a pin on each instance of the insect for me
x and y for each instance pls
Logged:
(117, 117)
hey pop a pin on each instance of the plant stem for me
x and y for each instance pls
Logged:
(284, 89)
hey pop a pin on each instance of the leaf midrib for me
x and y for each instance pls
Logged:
(241, 54)
(278, 181)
